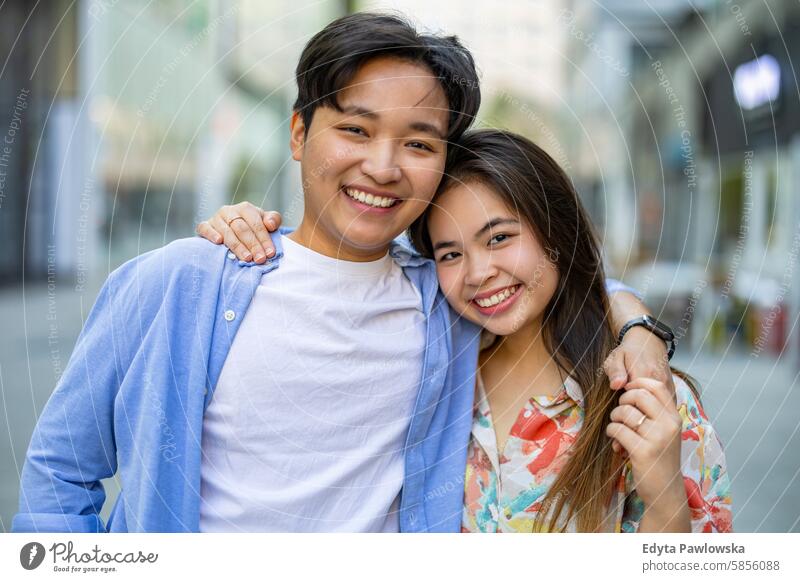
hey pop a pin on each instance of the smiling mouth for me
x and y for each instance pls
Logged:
(371, 199)
(497, 298)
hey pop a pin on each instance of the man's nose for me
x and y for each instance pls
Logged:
(380, 162)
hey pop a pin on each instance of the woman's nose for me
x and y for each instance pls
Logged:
(480, 270)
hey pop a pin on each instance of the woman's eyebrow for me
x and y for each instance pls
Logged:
(443, 244)
(492, 223)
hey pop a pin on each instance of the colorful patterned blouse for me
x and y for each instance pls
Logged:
(503, 492)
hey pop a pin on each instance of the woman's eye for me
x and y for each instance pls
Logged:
(448, 256)
(498, 238)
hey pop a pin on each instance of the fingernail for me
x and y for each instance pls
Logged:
(270, 252)
(260, 257)
(271, 224)
(218, 239)
(248, 257)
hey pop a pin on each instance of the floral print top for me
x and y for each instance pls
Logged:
(503, 492)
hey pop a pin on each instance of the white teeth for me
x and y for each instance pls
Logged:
(497, 297)
(371, 199)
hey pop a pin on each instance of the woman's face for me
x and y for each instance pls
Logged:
(490, 264)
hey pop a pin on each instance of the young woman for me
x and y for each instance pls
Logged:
(553, 448)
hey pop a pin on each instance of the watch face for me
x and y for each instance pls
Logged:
(661, 330)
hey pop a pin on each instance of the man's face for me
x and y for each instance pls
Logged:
(369, 170)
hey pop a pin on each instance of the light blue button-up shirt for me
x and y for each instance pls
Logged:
(132, 397)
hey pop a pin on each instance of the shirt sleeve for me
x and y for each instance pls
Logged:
(704, 469)
(613, 286)
(72, 447)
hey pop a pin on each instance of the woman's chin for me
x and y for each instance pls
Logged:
(498, 330)
(491, 325)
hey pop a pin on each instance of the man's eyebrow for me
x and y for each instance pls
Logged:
(427, 128)
(492, 223)
(358, 111)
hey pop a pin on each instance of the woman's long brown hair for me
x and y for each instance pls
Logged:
(576, 329)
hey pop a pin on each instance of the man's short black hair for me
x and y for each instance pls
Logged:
(332, 57)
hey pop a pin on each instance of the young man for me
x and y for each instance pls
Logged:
(357, 413)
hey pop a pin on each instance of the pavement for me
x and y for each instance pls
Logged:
(753, 402)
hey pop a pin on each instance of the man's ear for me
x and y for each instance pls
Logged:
(297, 135)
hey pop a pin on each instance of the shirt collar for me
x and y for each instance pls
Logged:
(483, 425)
(278, 242)
(405, 254)
(400, 249)
(573, 390)
(569, 390)
(420, 271)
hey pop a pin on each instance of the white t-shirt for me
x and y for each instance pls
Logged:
(307, 425)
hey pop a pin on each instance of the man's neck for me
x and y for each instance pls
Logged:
(317, 241)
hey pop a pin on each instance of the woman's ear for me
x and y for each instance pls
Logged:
(297, 136)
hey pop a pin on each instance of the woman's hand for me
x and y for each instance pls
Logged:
(244, 228)
(646, 424)
(641, 354)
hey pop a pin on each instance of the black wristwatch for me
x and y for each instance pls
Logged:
(661, 331)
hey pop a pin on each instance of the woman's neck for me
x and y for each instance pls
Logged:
(526, 343)
(514, 369)
(522, 358)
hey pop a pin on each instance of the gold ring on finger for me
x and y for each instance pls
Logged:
(640, 423)
(235, 218)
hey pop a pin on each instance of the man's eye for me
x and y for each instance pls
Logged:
(353, 129)
(421, 146)
(448, 256)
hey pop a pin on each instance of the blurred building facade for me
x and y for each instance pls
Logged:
(125, 124)
(687, 153)
(129, 122)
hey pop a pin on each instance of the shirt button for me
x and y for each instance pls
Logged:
(231, 256)
(412, 517)
(230, 315)
(527, 414)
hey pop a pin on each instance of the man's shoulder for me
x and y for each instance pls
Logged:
(184, 250)
(186, 260)
(179, 254)
(404, 253)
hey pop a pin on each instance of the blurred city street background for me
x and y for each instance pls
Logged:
(123, 123)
